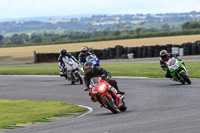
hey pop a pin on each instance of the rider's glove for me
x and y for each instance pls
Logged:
(103, 76)
(107, 78)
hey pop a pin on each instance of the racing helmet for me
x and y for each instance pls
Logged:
(84, 50)
(63, 52)
(88, 67)
(164, 54)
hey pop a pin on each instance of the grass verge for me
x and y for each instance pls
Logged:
(150, 70)
(22, 111)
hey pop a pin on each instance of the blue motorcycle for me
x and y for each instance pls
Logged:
(93, 59)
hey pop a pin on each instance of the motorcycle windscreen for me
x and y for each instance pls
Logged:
(94, 81)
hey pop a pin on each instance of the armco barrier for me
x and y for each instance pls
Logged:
(135, 52)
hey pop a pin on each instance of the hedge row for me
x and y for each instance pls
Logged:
(119, 52)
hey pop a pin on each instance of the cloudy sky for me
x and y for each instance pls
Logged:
(37, 8)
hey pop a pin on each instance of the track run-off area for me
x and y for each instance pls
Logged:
(154, 105)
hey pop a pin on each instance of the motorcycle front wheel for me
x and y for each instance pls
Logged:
(71, 82)
(109, 104)
(123, 107)
(185, 77)
(78, 76)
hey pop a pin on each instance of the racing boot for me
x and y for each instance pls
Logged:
(114, 84)
(118, 91)
(61, 74)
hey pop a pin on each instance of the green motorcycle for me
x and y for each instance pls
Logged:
(178, 71)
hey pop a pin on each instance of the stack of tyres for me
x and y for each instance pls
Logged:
(150, 51)
(140, 52)
(119, 51)
(194, 49)
(157, 50)
(101, 54)
(198, 44)
(144, 51)
(187, 48)
(111, 53)
(136, 52)
(130, 50)
(169, 48)
(95, 51)
(104, 54)
(107, 54)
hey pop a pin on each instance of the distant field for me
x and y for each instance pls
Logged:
(27, 51)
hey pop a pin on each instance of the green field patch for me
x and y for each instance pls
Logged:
(15, 112)
(4, 57)
(150, 70)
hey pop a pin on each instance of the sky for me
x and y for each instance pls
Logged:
(41, 8)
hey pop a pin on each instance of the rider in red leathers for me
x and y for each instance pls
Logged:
(91, 71)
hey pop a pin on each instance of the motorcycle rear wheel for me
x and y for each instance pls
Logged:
(109, 104)
(185, 77)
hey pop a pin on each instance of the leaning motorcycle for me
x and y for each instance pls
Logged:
(107, 95)
(93, 59)
(178, 71)
(72, 71)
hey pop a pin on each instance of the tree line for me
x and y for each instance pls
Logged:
(192, 27)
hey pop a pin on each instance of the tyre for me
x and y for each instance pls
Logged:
(71, 82)
(123, 107)
(79, 78)
(185, 77)
(109, 104)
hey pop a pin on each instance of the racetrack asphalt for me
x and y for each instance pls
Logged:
(154, 105)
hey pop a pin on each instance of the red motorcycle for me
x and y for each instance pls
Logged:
(107, 95)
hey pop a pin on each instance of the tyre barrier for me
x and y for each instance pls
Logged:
(144, 51)
(194, 49)
(111, 53)
(139, 52)
(136, 52)
(129, 52)
(45, 57)
(187, 48)
(169, 48)
(150, 51)
(157, 50)
(104, 54)
(119, 51)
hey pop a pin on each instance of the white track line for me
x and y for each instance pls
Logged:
(90, 110)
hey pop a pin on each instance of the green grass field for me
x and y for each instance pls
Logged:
(21, 111)
(150, 70)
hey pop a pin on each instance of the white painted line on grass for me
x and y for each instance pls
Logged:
(90, 110)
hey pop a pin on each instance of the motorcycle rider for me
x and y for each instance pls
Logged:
(165, 56)
(91, 71)
(64, 54)
(83, 54)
